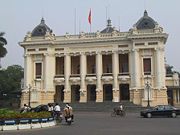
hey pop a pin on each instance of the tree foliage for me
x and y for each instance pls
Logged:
(3, 50)
(10, 80)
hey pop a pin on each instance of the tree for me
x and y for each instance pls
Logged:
(3, 50)
(169, 69)
(10, 80)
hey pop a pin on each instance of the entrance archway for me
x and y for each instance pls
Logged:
(91, 92)
(124, 92)
(107, 92)
(75, 93)
(59, 95)
(170, 96)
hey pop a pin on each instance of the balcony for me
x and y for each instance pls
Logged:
(75, 78)
(123, 74)
(90, 78)
(107, 77)
(38, 77)
(123, 77)
(59, 78)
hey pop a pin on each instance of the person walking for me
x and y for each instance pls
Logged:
(57, 113)
(68, 112)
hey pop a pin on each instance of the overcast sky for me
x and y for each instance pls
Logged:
(17, 17)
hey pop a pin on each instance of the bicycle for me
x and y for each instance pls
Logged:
(120, 113)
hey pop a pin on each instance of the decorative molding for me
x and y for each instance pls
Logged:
(107, 78)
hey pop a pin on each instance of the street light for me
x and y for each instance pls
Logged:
(29, 88)
(147, 84)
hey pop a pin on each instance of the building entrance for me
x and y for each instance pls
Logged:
(91, 92)
(59, 95)
(107, 92)
(170, 96)
(75, 93)
(124, 92)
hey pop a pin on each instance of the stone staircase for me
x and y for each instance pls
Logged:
(105, 106)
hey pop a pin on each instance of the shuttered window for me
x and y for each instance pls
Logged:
(147, 66)
(38, 70)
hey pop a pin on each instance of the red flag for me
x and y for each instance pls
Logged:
(89, 17)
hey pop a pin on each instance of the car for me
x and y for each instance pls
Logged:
(40, 108)
(161, 110)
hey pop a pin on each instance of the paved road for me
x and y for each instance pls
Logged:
(94, 123)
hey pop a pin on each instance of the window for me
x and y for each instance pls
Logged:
(123, 63)
(91, 64)
(147, 66)
(93, 69)
(59, 65)
(38, 70)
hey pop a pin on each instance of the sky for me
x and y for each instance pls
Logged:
(17, 17)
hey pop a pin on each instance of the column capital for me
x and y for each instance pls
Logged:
(159, 49)
(98, 52)
(115, 51)
(134, 50)
(74, 53)
(59, 55)
(48, 54)
(82, 53)
(26, 55)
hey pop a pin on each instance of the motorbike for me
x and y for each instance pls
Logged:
(69, 120)
(58, 117)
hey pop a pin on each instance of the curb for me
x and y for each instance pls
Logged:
(33, 125)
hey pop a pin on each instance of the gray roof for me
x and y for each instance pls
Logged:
(145, 22)
(109, 28)
(41, 29)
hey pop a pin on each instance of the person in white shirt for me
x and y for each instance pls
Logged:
(57, 110)
(50, 109)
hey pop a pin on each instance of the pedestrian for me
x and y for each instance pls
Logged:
(50, 109)
(57, 111)
(25, 108)
(68, 112)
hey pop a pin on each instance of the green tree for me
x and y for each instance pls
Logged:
(3, 50)
(10, 83)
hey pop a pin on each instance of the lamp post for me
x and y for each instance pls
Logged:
(147, 84)
(29, 88)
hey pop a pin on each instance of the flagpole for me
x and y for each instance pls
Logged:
(75, 21)
(90, 28)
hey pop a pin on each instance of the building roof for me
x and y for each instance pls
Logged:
(109, 28)
(41, 29)
(146, 22)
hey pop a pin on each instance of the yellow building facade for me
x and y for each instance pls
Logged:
(107, 65)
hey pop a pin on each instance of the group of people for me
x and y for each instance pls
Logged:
(56, 111)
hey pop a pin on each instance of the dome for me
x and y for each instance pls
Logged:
(41, 29)
(145, 22)
(109, 28)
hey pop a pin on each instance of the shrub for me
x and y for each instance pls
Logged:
(9, 114)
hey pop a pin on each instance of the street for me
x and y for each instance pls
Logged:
(101, 123)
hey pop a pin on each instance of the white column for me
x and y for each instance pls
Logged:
(115, 62)
(135, 71)
(49, 72)
(158, 68)
(83, 69)
(163, 70)
(67, 70)
(28, 72)
(99, 70)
